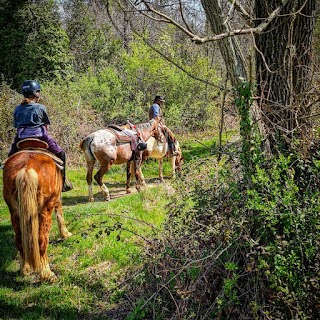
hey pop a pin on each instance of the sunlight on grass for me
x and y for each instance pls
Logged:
(105, 248)
(107, 239)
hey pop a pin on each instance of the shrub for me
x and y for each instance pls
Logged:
(235, 251)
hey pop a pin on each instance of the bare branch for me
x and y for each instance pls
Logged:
(198, 39)
(165, 18)
(182, 16)
(244, 14)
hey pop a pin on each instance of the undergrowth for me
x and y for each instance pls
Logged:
(234, 252)
(241, 238)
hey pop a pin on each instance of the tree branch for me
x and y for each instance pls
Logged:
(198, 39)
(244, 14)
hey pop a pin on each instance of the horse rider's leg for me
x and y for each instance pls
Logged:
(44, 229)
(98, 177)
(90, 166)
(61, 224)
(161, 170)
(173, 166)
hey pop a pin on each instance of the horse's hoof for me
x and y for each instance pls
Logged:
(66, 235)
(25, 270)
(91, 199)
(48, 276)
(128, 191)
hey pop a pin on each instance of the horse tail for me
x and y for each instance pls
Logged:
(85, 147)
(27, 186)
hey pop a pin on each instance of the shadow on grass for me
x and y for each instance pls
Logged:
(12, 285)
(11, 311)
(8, 252)
(117, 190)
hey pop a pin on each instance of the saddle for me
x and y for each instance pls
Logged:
(127, 135)
(35, 145)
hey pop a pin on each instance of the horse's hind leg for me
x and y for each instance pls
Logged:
(61, 224)
(25, 267)
(173, 166)
(45, 221)
(90, 166)
(161, 170)
(98, 177)
(140, 181)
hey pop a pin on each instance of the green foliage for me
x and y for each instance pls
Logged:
(41, 49)
(283, 203)
(8, 101)
(251, 152)
(239, 251)
(91, 42)
(147, 74)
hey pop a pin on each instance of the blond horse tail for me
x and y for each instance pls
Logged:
(27, 186)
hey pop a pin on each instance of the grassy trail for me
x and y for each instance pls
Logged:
(94, 265)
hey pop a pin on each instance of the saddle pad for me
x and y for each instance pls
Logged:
(121, 137)
(57, 160)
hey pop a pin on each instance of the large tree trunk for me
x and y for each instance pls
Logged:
(283, 70)
(228, 46)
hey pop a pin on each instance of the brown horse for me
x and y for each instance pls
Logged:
(32, 186)
(103, 145)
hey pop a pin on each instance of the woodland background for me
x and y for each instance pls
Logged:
(241, 241)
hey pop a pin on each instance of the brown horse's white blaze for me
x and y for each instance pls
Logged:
(102, 146)
(32, 186)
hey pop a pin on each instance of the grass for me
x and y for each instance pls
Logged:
(106, 246)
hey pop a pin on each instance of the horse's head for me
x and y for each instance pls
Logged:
(179, 160)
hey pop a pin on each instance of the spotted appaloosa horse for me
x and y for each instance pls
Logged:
(103, 146)
(32, 186)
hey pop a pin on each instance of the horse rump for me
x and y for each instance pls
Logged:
(32, 186)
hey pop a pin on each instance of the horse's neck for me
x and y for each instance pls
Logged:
(146, 130)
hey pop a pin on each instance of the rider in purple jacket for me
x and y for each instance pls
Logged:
(31, 120)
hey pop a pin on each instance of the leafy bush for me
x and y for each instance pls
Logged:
(235, 251)
(8, 100)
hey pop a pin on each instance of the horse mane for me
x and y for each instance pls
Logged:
(145, 125)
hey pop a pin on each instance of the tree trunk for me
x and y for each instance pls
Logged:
(283, 71)
(228, 46)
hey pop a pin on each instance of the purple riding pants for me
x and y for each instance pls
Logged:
(44, 136)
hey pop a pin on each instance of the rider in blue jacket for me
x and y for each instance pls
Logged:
(155, 112)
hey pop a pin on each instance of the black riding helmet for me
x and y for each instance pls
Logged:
(31, 88)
